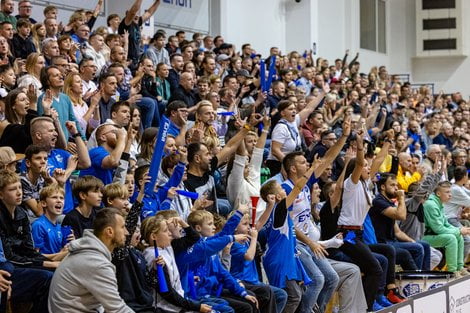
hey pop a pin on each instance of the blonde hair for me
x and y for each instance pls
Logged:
(113, 191)
(50, 190)
(166, 214)
(68, 89)
(150, 226)
(8, 177)
(198, 217)
(31, 62)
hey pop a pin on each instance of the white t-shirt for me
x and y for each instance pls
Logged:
(288, 136)
(356, 203)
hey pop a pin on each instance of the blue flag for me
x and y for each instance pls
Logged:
(157, 154)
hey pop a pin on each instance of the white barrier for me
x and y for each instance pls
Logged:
(454, 297)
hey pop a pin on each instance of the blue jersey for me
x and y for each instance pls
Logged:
(280, 258)
(368, 234)
(97, 156)
(196, 257)
(47, 237)
(239, 267)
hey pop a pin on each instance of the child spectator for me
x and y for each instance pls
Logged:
(15, 231)
(117, 196)
(156, 229)
(87, 190)
(213, 276)
(243, 266)
(47, 231)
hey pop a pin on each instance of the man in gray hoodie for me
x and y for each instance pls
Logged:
(86, 280)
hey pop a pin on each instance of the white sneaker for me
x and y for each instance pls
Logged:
(457, 275)
(464, 272)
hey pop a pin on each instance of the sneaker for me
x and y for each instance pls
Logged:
(457, 275)
(464, 272)
(394, 296)
(383, 301)
(376, 307)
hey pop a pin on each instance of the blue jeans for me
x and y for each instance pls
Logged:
(281, 298)
(28, 285)
(149, 111)
(416, 250)
(324, 278)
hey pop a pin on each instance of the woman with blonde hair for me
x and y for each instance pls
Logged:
(34, 64)
(38, 33)
(87, 117)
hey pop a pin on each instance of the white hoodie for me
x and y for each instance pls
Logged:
(85, 280)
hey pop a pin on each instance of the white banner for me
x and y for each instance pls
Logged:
(459, 297)
(434, 303)
(188, 15)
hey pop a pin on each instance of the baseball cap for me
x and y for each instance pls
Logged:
(222, 57)
(244, 73)
(7, 156)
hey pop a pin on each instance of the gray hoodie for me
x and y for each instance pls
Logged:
(85, 281)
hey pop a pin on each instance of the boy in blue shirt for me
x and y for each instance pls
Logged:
(282, 265)
(46, 231)
(213, 277)
(243, 267)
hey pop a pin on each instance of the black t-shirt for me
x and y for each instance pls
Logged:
(79, 222)
(328, 221)
(383, 225)
(134, 38)
(205, 184)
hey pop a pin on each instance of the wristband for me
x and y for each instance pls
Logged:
(265, 131)
(247, 127)
(75, 135)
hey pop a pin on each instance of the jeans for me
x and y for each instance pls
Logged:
(280, 296)
(417, 250)
(388, 252)
(324, 279)
(149, 111)
(28, 285)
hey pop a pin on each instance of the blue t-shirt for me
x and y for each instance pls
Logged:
(173, 130)
(47, 237)
(96, 156)
(239, 267)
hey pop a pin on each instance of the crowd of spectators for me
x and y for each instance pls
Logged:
(357, 173)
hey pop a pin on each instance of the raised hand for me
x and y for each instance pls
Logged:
(71, 127)
(47, 102)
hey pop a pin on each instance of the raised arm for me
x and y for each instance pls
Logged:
(360, 161)
(150, 11)
(336, 197)
(334, 151)
(380, 157)
(232, 145)
(311, 106)
(134, 9)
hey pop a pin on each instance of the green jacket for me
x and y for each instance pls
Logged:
(435, 221)
(8, 18)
